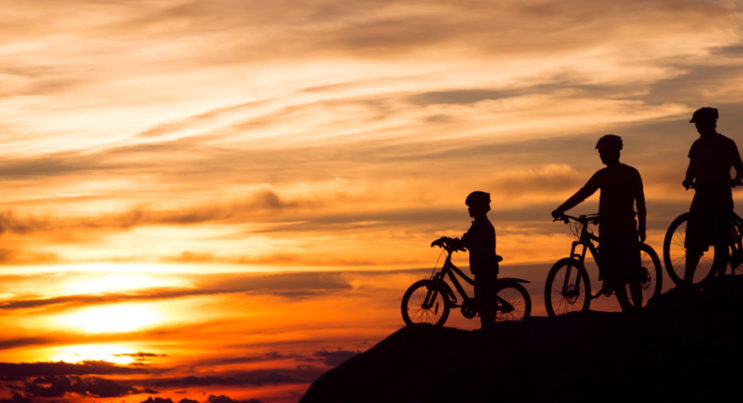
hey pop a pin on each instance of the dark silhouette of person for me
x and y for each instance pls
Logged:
(619, 235)
(479, 240)
(711, 158)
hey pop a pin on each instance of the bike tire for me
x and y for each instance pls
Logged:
(736, 250)
(517, 298)
(652, 275)
(425, 302)
(567, 288)
(674, 255)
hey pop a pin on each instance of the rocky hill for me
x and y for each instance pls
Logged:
(681, 347)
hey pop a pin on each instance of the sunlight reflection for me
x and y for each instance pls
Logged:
(112, 318)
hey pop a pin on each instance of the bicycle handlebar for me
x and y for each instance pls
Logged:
(448, 244)
(583, 219)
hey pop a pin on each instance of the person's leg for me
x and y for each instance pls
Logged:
(693, 254)
(635, 289)
(621, 292)
(485, 296)
(635, 274)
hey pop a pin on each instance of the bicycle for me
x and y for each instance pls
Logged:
(568, 288)
(715, 259)
(430, 300)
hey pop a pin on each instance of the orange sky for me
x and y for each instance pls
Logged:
(189, 183)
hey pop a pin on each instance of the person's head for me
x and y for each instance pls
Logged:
(609, 146)
(705, 119)
(478, 203)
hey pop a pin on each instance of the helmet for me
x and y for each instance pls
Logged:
(609, 142)
(478, 199)
(704, 114)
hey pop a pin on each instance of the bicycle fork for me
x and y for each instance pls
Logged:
(571, 284)
(428, 302)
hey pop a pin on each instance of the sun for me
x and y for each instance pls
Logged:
(117, 318)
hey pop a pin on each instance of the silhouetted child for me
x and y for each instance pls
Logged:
(619, 237)
(711, 158)
(480, 242)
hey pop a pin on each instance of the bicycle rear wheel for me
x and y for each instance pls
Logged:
(652, 274)
(736, 250)
(567, 288)
(425, 302)
(512, 302)
(674, 254)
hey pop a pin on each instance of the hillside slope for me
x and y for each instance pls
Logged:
(679, 348)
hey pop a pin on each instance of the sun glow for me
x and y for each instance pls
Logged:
(95, 352)
(118, 282)
(112, 318)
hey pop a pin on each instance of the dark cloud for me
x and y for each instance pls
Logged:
(699, 83)
(335, 358)
(23, 341)
(293, 285)
(463, 96)
(225, 399)
(60, 385)
(16, 398)
(158, 400)
(51, 165)
(261, 201)
(10, 371)
(271, 356)
(75, 300)
(244, 378)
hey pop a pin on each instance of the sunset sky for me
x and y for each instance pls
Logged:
(229, 197)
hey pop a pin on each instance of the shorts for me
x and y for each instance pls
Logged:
(709, 218)
(619, 257)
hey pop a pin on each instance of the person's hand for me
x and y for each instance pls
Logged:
(687, 183)
(557, 213)
(439, 242)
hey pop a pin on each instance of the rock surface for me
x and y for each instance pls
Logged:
(681, 347)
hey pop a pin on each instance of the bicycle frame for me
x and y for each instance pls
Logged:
(586, 241)
(451, 271)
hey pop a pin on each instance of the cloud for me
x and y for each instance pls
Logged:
(244, 378)
(263, 201)
(271, 356)
(59, 386)
(6, 344)
(10, 371)
(292, 285)
(225, 399)
(333, 358)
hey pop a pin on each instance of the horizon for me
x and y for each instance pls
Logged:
(229, 199)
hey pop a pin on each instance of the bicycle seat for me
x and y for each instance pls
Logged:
(498, 258)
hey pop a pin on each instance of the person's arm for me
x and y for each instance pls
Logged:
(478, 240)
(641, 211)
(582, 194)
(689, 178)
(737, 164)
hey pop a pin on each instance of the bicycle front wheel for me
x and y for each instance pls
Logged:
(567, 288)
(512, 302)
(674, 255)
(425, 302)
(651, 278)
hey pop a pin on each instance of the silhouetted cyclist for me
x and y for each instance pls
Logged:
(711, 158)
(619, 237)
(480, 242)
